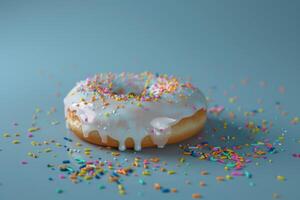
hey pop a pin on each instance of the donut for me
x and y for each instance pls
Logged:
(135, 110)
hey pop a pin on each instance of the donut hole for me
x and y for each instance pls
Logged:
(128, 88)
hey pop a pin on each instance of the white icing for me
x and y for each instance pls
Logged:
(132, 121)
(161, 130)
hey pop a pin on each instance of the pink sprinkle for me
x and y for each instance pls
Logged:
(237, 173)
(61, 176)
(216, 109)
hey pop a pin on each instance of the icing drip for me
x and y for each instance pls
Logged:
(161, 130)
(132, 106)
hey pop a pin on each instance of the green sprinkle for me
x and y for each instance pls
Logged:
(101, 187)
(171, 172)
(142, 182)
(59, 191)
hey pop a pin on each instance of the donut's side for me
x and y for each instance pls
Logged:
(182, 130)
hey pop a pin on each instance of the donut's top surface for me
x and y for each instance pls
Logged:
(129, 105)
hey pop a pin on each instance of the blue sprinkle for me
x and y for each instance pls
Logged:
(165, 190)
(65, 161)
(68, 139)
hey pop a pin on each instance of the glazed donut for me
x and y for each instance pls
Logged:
(131, 110)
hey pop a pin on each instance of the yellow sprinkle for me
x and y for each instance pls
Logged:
(47, 150)
(170, 172)
(88, 177)
(120, 187)
(115, 153)
(15, 141)
(139, 104)
(261, 110)
(122, 192)
(281, 178)
(33, 155)
(110, 167)
(58, 144)
(6, 135)
(78, 144)
(33, 143)
(228, 177)
(33, 129)
(146, 173)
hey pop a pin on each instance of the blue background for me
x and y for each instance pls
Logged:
(47, 46)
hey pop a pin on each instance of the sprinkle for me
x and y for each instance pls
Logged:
(165, 190)
(33, 155)
(155, 159)
(16, 141)
(115, 153)
(33, 129)
(68, 139)
(47, 150)
(202, 184)
(196, 196)
(54, 122)
(142, 182)
(102, 187)
(61, 176)
(146, 173)
(232, 99)
(216, 110)
(281, 178)
(228, 177)
(182, 160)
(247, 174)
(171, 172)
(78, 144)
(156, 186)
(204, 173)
(174, 190)
(220, 178)
(59, 191)
(295, 120)
(6, 135)
(24, 162)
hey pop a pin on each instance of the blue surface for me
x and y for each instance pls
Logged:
(47, 46)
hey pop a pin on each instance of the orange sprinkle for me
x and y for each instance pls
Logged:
(196, 196)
